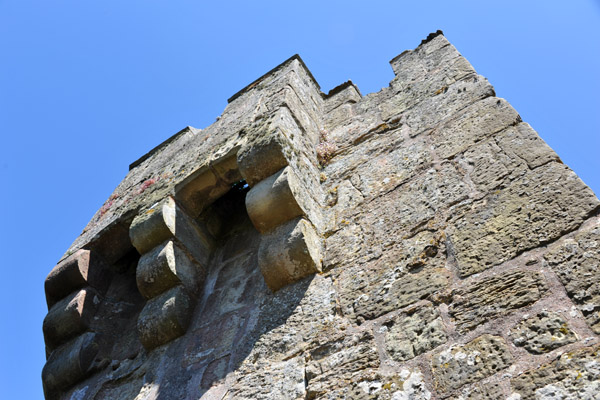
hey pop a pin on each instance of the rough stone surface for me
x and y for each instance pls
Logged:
(274, 201)
(541, 205)
(165, 317)
(490, 298)
(574, 375)
(421, 242)
(69, 317)
(83, 268)
(542, 333)
(411, 270)
(290, 253)
(482, 391)
(576, 261)
(413, 333)
(165, 266)
(463, 364)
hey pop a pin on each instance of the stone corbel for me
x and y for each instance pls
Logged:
(70, 363)
(175, 252)
(73, 290)
(282, 210)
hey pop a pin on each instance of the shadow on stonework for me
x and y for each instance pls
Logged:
(231, 329)
(236, 312)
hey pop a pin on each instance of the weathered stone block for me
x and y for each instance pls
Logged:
(275, 200)
(576, 262)
(339, 360)
(202, 188)
(69, 364)
(165, 317)
(345, 93)
(424, 73)
(263, 157)
(536, 208)
(488, 166)
(372, 384)
(83, 268)
(525, 143)
(414, 332)
(542, 333)
(574, 375)
(69, 317)
(493, 297)
(224, 164)
(281, 380)
(448, 99)
(412, 270)
(166, 266)
(476, 122)
(164, 221)
(289, 253)
(379, 165)
(414, 203)
(491, 390)
(463, 364)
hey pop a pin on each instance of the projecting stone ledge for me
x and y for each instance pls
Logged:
(165, 317)
(289, 253)
(83, 268)
(165, 221)
(166, 266)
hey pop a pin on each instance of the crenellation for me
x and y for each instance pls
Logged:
(421, 242)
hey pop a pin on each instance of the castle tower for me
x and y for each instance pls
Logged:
(421, 242)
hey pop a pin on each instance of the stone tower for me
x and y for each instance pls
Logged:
(421, 242)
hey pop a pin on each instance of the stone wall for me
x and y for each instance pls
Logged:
(421, 242)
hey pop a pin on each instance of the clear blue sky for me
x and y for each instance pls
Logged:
(87, 87)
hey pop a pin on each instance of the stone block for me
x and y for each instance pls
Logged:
(493, 297)
(372, 384)
(280, 380)
(476, 122)
(542, 333)
(165, 317)
(263, 156)
(414, 332)
(166, 220)
(224, 164)
(289, 253)
(83, 268)
(414, 203)
(334, 363)
(202, 187)
(576, 261)
(463, 364)
(69, 317)
(574, 375)
(346, 93)
(166, 266)
(409, 271)
(274, 200)
(490, 390)
(524, 142)
(536, 208)
(69, 364)
(424, 74)
(447, 100)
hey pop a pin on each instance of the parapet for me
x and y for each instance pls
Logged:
(418, 242)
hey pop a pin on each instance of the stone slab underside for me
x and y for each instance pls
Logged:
(435, 248)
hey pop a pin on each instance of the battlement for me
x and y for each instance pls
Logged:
(418, 242)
